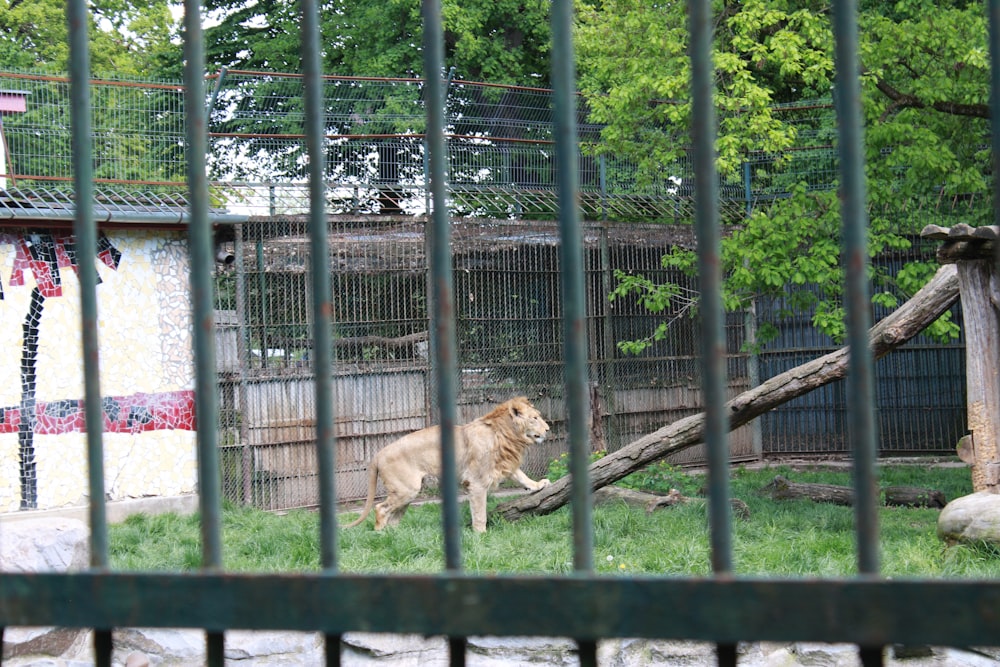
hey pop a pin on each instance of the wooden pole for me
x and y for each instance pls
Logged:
(972, 249)
(977, 284)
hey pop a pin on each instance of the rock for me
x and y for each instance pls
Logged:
(45, 545)
(903, 652)
(38, 643)
(503, 651)
(971, 519)
(137, 659)
(364, 648)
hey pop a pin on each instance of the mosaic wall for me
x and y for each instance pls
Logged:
(145, 366)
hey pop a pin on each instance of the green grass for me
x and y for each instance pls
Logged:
(781, 538)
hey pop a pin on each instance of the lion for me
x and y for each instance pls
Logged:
(487, 451)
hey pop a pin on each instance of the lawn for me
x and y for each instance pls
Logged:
(780, 538)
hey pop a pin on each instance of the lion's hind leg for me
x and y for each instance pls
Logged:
(400, 494)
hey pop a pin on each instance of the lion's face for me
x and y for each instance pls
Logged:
(529, 421)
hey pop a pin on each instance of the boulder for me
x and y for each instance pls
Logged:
(971, 519)
(51, 544)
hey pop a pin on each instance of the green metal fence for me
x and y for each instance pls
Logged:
(865, 610)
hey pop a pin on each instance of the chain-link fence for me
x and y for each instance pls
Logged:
(509, 339)
(502, 196)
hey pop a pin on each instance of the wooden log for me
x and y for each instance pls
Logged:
(907, 321)
(977, 285)
(654, 501)
(910, 496)
(781, 488)
(647, 501)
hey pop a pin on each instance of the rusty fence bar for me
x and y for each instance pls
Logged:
(202, 261)
(442, 314)
(854, 217)
(713, 347)
(321, 301)
(573, 291)
(85, 232)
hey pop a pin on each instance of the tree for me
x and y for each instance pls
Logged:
(126, 37)
(925, 85)
(910, 319)
(505, 41)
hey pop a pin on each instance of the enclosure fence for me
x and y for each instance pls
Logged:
(506, 276)
(722, 608)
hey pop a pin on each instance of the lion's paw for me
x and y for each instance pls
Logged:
(542, 483)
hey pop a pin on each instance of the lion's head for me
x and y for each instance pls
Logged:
(518, 417)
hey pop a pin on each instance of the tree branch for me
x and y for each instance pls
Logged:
(907, 321)
(904, 101)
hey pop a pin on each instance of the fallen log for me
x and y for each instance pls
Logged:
(647, 501)
(781, 488)
(904, 323)
(654, 501)
(909, 496)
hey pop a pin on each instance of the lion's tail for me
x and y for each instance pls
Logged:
(370, 500)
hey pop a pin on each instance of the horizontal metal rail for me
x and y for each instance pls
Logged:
(866, 611)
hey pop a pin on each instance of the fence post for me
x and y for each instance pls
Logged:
(243, 360)
(607, 377)
(750, 329)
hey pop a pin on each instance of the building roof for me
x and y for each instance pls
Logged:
(54, 207)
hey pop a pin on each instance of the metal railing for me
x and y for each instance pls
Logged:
(723, 608)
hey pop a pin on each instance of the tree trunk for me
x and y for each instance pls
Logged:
(907, 321)
(977, 284)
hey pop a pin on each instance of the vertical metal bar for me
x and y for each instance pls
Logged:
(573, 294)
(85, 232)
(750, 328)
(262, 294)
(860, 394)
(713, 352)
(202, 262)
(86, 243)
(219, 80)
(442, 316)
(860, 391)
(242, 354)
(571, 268)
(322, 308)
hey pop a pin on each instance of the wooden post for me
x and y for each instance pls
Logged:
(971, 250)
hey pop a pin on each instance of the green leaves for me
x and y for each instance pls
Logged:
(925, 86)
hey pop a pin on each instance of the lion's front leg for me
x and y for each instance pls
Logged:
(477, 507)
(527, 482)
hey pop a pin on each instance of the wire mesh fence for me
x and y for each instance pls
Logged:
(506, 282)
(502, 199)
